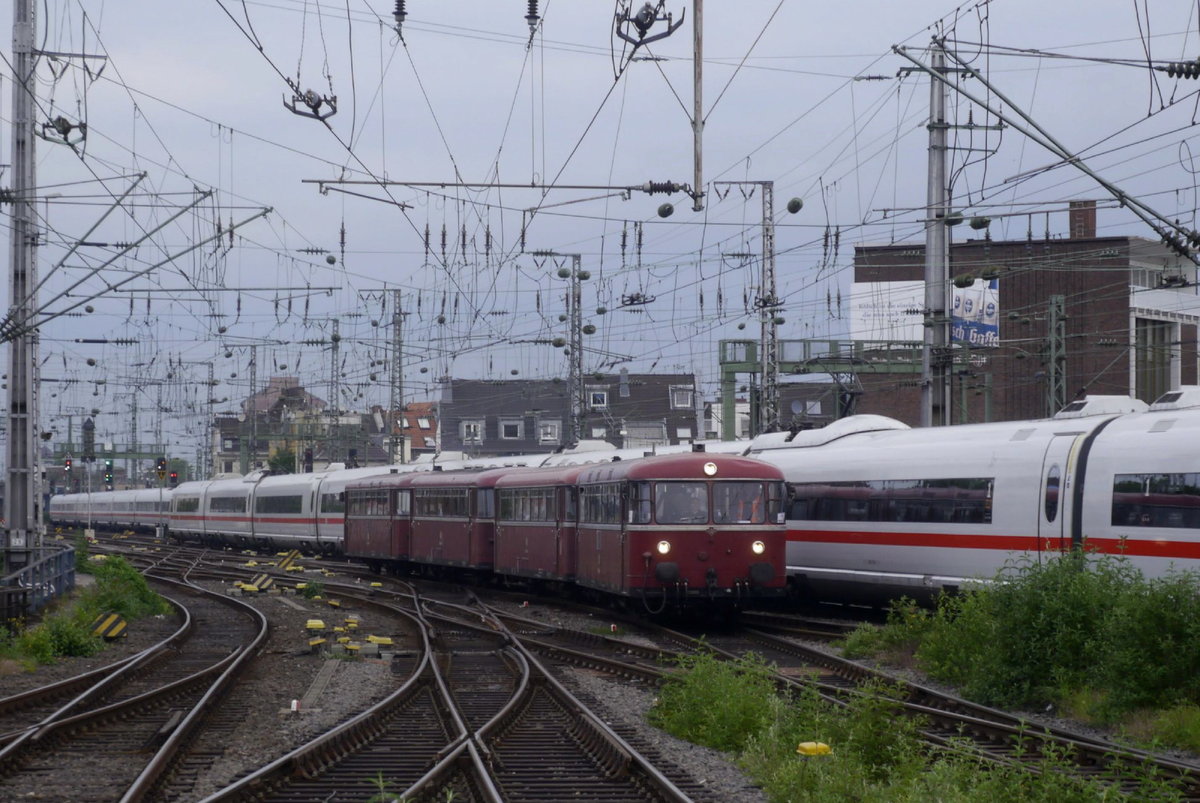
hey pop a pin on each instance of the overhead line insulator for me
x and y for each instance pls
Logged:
(1181, 69)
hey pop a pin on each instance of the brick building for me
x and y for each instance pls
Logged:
(1074, 316)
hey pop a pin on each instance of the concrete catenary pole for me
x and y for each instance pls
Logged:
(21, 500)
(935, 353)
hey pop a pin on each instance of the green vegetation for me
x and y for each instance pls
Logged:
(82, 553)
(67, 630)
(312, 590)
(874, 753)
(1090, 636)
(282, 462)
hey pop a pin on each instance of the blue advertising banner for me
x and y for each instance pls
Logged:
(975, 314)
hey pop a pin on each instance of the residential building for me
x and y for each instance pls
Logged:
(530, 416)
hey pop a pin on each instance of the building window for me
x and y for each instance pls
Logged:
(597, 399)
(681, 397)
(471, 431)
(683, 432)
(512, 430)
(227, 445)
(403, 422)
(599, 432)
(423, 423)
(548, 431)
(228, 467)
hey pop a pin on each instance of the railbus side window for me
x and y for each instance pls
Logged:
(570, 504)
(776, 498)
(639, 503)
(485, 503)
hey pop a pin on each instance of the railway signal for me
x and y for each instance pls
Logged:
(174, 478)
(67, 464)
(162, 468)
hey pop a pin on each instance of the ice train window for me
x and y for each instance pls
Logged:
(952, 500)
(278, 504)
(1053, 481)
(227, 504)
(332, 503)
(1157, 500)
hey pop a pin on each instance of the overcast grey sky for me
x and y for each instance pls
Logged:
(193, 95)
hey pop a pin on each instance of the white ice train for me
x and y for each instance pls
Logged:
(137, 509)
(283, 511)
(875, 509)
(878, 509)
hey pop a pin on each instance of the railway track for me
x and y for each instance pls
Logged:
(949, 722)
(477, 719)
(115, 738)
(22, 712)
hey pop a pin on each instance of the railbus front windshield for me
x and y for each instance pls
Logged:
(681, 502)
(739, 503)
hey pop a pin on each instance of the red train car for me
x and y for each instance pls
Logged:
(536, 520)
(452, 518)
(667, 530)
(681, 527)
(378, 522)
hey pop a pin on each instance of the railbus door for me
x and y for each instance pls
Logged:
(1054, 502)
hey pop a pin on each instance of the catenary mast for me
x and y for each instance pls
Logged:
(21, 507)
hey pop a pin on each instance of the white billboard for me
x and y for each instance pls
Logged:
(887, 310)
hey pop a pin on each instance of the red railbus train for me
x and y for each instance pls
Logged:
(671, 530)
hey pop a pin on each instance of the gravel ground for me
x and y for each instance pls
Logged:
(267, 727)
(620, 704)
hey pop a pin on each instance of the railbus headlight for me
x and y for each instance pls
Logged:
(664, 547)
(758, 547)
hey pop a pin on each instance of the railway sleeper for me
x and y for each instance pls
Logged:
(160, 736)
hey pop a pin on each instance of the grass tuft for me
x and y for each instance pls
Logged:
(65, 630)
(1086, 635)
(875, 752)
